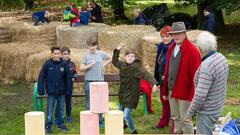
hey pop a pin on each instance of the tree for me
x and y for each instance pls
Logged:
(117, 9)
(217, 5)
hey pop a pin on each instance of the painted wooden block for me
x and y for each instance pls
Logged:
(34, 123)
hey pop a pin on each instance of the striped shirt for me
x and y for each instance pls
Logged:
(210, 84)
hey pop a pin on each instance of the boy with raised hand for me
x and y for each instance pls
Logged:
(55, 77)
(130, 72)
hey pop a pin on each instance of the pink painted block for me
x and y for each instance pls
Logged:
(99, 97)
(89, 123)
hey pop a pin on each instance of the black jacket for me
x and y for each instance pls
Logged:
(97, 13)
(55, 77)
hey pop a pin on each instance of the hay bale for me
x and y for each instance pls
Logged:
(193, 34)
(13, 59)
(76, 36)
(111, 37)
(26, 32)
(149, 43)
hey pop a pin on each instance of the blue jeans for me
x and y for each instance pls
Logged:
(87, 96)
(59, 109)
(127, 116)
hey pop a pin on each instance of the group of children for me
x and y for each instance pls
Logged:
(56, 77)
(59, 72)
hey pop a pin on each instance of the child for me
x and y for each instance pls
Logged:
(67, 15)
(40, 16)
(84, 15)
(68, 97)
(159, 71)
(130, 73)
(93, 63)
(75, 21)
(139, 18)
(55, 77)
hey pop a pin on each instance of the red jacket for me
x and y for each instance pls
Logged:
(183, 87)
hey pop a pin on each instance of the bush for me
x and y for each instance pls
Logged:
(12, 4)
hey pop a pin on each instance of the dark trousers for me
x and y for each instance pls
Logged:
(68, 102)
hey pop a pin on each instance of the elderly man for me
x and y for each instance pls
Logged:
(182, 61)
(210, 83)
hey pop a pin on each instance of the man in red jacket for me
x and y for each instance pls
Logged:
(183, 59)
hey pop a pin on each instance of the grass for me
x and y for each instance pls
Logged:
(16, 99)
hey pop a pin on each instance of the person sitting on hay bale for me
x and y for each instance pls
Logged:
(139, 18)
(84, 15)
(40, 16)
(75, 21)
(96, 13)
(67, 15)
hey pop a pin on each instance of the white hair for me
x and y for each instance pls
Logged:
(207, 42)
(138, 10)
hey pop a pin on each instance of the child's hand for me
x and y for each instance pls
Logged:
(121, 45)
(155, 88)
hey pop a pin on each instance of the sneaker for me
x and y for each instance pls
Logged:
(69, 119)
(134, 132)
(63, 127)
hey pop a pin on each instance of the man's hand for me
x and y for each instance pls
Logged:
(121, 45)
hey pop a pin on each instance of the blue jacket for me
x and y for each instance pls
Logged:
(161, 49)
(209, 23)
(84, 17)
(140, 20)
(55, 77)
(73, 71)
(40, 15)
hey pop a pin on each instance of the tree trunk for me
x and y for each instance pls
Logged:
(220, 26)
(118, 10)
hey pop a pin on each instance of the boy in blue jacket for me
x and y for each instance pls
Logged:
(55, 77)
(84, 15)
(40, 16)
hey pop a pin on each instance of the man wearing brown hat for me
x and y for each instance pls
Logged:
(183, 59)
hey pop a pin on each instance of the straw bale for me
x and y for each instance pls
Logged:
(26, 32)
(193, 34)
(111, 37)
(149, 44)
(13, 59)
(76, 36)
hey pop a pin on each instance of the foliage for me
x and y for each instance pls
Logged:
(228, 5)
(11, 3)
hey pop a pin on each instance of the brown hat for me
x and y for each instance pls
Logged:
(178, 27)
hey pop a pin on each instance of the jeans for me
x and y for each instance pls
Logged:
(87, 96)
(59, 109)
(205, 123)
(127, 116)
